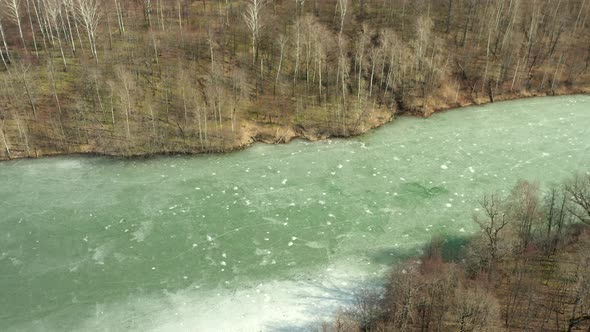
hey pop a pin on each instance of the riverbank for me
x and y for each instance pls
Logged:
(258, 132)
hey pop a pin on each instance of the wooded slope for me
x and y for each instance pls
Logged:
(130, 77)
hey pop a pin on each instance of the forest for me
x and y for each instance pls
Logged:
(527, 269)
(141, 77)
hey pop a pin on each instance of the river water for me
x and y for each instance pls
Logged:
(271, 238)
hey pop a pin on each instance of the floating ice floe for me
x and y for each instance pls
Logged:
(444, 166)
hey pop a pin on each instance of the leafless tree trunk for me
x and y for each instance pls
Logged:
(32, 28)
(525, 205)
(22, 71)
(252, 16)
(4, 140)
(579, 190)
(476, 310)
(297, 53)
(126, 93)
(41, 23)
(147, 12)
(112, 88)
(56, 97)
(89, 16)
(449, 15)
(120, 17)
(12, 9)
(179, 5)
(343, 7)
(5, 51)
(68, 10)
(282, 43)
(23, 134)
(53, 9)
(492, 224)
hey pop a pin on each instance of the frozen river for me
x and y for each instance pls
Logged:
(270, 238)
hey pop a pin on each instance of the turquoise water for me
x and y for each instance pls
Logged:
(84, 239)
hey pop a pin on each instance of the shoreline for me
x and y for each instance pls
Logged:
(256, 133)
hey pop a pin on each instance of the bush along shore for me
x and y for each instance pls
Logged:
(146, 77)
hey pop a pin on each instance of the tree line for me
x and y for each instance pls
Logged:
(527, 269)
(147, 76)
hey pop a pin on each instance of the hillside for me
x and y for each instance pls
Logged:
(143, 77)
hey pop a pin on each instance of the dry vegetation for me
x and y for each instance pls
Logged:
(528, 270)
(129, 77)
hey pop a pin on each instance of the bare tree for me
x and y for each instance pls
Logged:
(53, 12)
(5, 51)
(252, 16)
(366, 308)
(579, 190)
(342, 6)
(22, 75)
(89, 16)
(68, 7)
(29, 14)
(476, 310)
(401, 296)
(4, 139)
(525, 210)
(555, 211)
(581, 299)
(492, 224)
(147, 12)
(240, 91)
(12, 9)
(120, 21)
(126, 92)
(282, 42)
